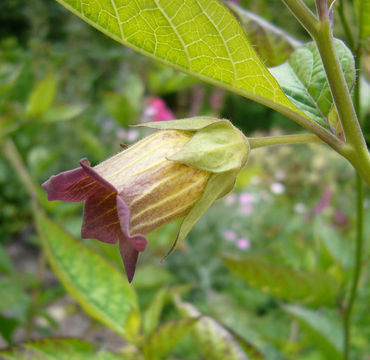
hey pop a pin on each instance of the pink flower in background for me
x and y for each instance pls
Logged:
(340, 218)
(229, 235)
(158, 110)
(246, 202)
(324, 202)
(243, 243)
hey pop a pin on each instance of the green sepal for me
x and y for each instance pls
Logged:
(190, 124)
(218, 147)
(217, 185)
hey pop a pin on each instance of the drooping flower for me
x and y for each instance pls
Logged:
(178, 171)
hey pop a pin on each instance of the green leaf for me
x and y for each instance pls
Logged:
(303, 79)
(213, 341)
(162, 340)
(314, 289)
(325, 332)
(99, 287)
(42, 96)
(217, 186)
(7, 327)
(63, 113)
(217, 148)
(57, 349)
(272, 44)
(154, 310)
(199, 37)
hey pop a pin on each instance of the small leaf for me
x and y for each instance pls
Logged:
(100, 288)
(303, 79)
(162, 340)
(63, 113)
(217, 148)
(271, 43)
(315, 289)
(42, 96)
(326, 333)
(7, 328)
(213, 341)
(154, 310)
(199, 37)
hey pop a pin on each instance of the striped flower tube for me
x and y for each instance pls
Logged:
(174, 172)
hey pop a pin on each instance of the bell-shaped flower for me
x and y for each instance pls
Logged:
(178, 171)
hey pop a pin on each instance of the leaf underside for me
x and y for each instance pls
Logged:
(304, 81)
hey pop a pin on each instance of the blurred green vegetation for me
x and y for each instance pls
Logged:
(67, 91)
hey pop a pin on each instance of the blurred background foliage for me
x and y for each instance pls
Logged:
(66, 92)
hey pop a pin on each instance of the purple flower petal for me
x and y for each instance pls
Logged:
(129, 257)
(138, 241)
(100, 219)
(94, 175)
(72, 185)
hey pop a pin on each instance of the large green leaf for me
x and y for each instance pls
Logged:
(322, 330)
(162, 340)
(199, 37)
(214, 342)
(99, 287)
(57, 349)
(272, 44)
(314, 289)
(304, 81)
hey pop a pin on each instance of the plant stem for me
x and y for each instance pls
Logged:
(257, 142)
(12, 154)
(356, 151)
(347, 311)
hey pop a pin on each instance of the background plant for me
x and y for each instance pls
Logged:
(39, 80)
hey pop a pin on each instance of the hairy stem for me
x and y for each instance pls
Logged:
(256, 142)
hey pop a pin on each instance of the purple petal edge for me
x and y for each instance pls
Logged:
(61, 186)
(129, 257)
(137, 241)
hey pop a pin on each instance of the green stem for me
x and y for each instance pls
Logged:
(282, 140)
(356, 151)
(347, 311)
(12, 154)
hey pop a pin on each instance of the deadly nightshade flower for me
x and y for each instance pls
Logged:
(178, 171)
